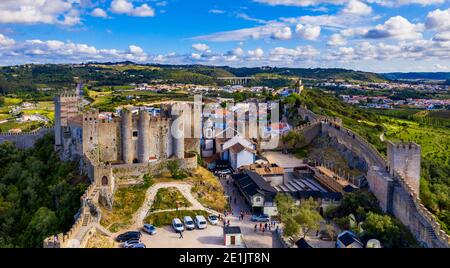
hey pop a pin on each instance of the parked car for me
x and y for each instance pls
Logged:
(188, 223)
(260, 218)
(213, 219)
(177, 225)
(150, 229)
(130, 243)
(325, 235)
(140, 245)
(224, 172)
(128, 236)
(200, 221)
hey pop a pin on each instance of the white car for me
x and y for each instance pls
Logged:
(177, 225)
(200, 221)
(213, 219)
(224, 172)
(188, 223)
(131, 243)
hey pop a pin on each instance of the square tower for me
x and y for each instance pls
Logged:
(404, 158)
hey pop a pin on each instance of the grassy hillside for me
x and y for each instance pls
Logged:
(429, 129)
(26, 79)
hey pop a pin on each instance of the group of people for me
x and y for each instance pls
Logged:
(267, 227)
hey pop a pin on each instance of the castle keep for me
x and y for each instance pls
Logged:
(111, 148)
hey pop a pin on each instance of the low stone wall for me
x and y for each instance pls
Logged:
(25, 140)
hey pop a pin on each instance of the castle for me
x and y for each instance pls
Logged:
(109, 149)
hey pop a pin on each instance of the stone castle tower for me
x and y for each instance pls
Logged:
(405, 159)
(66, 106)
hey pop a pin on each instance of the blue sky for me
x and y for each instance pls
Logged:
(371, 35)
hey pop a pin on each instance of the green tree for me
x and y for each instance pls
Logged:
(304, 217)
(308, 216)
(174, 168)
(388, 230)
(43, 223)
(293, 139)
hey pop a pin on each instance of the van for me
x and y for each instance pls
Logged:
(200, 221)
(177, 225)
(188, 223)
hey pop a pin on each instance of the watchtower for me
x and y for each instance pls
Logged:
(404, 158)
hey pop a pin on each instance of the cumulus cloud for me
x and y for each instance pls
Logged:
(283, 33)
(56, 51)
(357, 7)
(98, 12)
(293, 54)
(336, 40)
(200, 47)
(42, 11)
(438, 19)
(398, 28)
(308, 32)
(256, 54)
(6, 41)
(126, 7)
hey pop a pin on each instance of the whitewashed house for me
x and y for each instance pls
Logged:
(240, 151)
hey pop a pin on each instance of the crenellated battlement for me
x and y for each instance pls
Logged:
(30, 133)
(400, 193)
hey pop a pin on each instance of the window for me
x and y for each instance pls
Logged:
(135, 133)
(258, 199)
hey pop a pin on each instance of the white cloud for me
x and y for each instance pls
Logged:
(216, 11)
(292, 54)
(236, 52)
(398, 28)
(55, 51)
(270, 30)
(136, 50)
(196, 56)
(300, 3)
(336, 40)
(6, 41)
(98, 12)
(126, 7)
(397, 3)
(256, 54)
(284, 33)
(438, 19)
(357, 7)
(308, 32)
(39, 11)
(200, 47)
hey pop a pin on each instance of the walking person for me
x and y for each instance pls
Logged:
(256, 228)
(181, 234)
(228, 223)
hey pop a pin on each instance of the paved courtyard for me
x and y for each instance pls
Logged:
(211, 237)
(287, 161)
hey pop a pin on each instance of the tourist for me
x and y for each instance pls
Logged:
(256, 228)
(228, 224)
(181, 234)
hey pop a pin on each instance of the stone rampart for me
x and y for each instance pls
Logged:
(27, 139)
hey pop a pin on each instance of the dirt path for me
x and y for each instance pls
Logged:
(184, 188)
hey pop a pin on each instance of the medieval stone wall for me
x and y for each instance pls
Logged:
(25, 140)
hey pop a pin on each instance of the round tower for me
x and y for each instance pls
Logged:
(127, 145)
(177, 131)
(144, 137)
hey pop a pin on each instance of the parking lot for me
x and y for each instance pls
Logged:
(211, 237)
